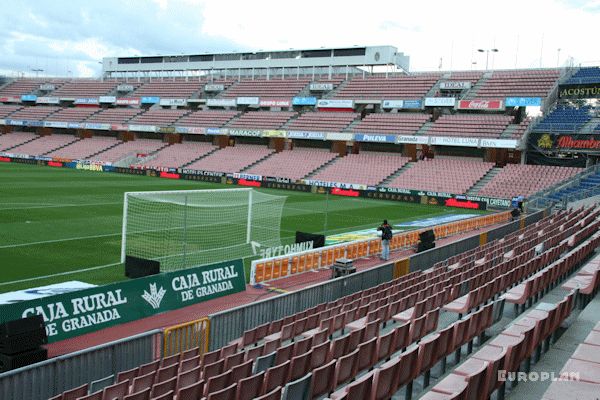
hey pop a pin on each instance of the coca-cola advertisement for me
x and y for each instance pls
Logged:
(479, 104)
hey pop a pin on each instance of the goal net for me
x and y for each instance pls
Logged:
(187, 228)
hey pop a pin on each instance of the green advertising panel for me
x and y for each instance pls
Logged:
(76, 313)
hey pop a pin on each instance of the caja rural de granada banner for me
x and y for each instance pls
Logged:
(76, 313)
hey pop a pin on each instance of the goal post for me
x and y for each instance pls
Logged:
(185, 228)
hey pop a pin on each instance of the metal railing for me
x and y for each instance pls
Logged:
(48, 378)
(186, 336)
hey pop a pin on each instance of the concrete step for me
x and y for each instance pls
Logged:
(396, 173)
(321, 168)
(201, 157)
(474, 190)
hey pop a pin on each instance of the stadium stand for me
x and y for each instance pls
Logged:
(78, 114)
(401, 123)
(85, 88)
(378, 341)
(565, 118)
(161, 117)
(525, 180)
(14, 139)
(527, 83)
(585, 75)
(6, 110)
(177, 155)
(176, 88)
(380, 87)
(231, 159)
(367, 168)
(442, 175)
(37, 113)
(208, 118)
(261, 120)
(132, 148)
(82, 149)
(591, 181)
(465, 125)
(520, 129)
(20, 87)
(322, 121)
(265, 89)
(114, 115)
(466, 76)
(44, 144)
(293, 164)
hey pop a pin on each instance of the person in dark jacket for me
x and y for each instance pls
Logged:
(386, 237)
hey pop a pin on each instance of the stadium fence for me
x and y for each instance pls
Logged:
(46, 379)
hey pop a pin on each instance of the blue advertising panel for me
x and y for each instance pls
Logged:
(29, 97)
(523, 101)
(413, 104)
(304, 101)
(373, 137)
(150, 100)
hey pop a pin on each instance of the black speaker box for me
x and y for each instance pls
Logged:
(23, 334)
(427, 236)
(23, 325)
(422, 246)
(318, 240)
(136, 267)
(14, 361)
(22, 342)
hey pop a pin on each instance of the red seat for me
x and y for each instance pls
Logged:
(117, 391)
(75, 393)
(193, 391)
(346, 368)
(143, 382)
(385, 382)
(241, 371)
(300, 365)
(213, 369)
(227, 393)
(159, 389)
(359, 389)
(367, 354)
(276, 376)
(250, 387)
(142, 395)
(323, 379)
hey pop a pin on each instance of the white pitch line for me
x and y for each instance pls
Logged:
(10, 246)
(59, 274)
(59, 206)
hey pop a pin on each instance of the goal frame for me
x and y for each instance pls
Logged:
(126, 205)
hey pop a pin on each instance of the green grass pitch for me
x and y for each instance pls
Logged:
(60, 224)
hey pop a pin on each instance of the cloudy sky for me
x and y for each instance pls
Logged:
(67, 38)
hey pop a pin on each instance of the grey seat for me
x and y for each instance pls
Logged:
(265, 362)
(101, 383)
(298, 389)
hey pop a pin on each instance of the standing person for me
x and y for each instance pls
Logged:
(386, 236)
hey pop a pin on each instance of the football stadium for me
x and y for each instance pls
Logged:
(304, 223)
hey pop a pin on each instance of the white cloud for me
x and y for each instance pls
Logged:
(71, 33)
